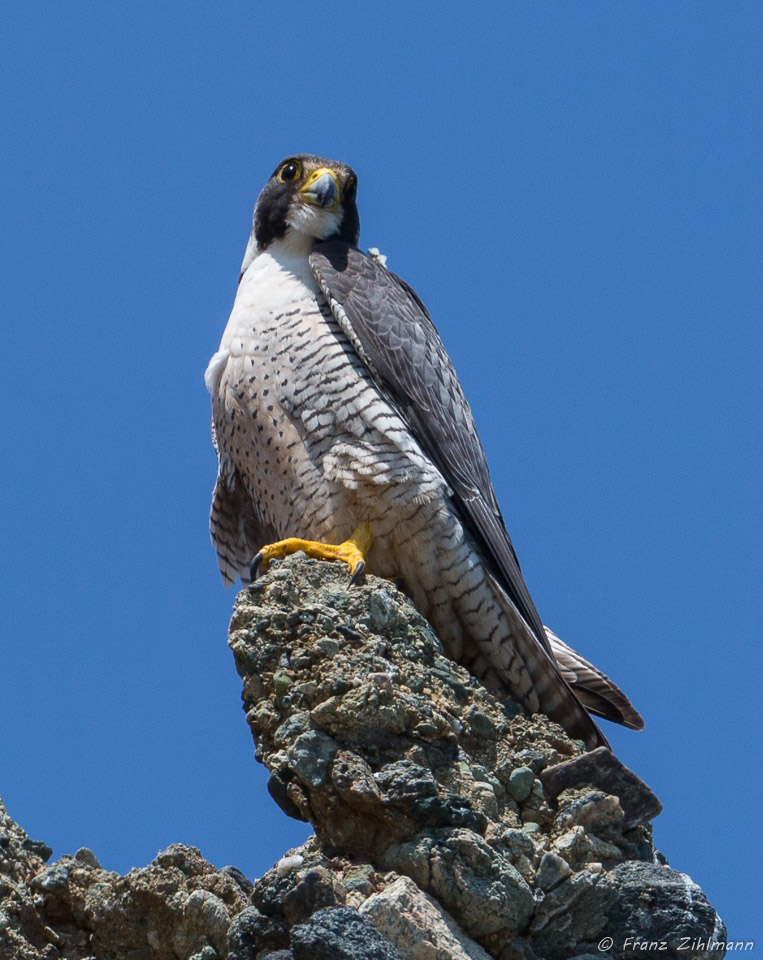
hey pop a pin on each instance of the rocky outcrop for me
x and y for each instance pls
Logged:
(448, 825)
(178, 906)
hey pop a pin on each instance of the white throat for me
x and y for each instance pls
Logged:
(274, 279)
(288, 255)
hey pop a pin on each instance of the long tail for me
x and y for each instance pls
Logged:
(531, 674)
(595, 690)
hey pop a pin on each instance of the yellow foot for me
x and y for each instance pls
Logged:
(353, 551)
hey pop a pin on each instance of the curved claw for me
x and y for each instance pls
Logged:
(351, 551)
(357, 573)
(255, 566)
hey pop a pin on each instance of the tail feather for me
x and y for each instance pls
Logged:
(551, 691)
(595, 690)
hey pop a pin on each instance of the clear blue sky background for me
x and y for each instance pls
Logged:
(572, 188)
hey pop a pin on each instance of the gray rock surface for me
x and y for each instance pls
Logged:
(448, 825)
(475, 881)
(636, 799)
(418, 925)
(341, 934)
(178, 906)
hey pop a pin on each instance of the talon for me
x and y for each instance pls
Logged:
(353, 551)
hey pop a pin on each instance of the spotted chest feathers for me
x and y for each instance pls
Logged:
(296, 413)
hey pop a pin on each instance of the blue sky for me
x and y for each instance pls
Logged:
(574, 191)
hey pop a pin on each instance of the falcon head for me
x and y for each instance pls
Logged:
(309, 197)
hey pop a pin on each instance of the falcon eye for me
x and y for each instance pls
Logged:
(289, 172)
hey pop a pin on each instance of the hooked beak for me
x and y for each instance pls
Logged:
(321, 189)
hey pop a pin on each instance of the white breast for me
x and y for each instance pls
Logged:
(276, 279)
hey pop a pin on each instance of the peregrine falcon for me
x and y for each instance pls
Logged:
(340, 424)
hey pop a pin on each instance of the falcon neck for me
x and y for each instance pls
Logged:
(282, 261)
(289, 254)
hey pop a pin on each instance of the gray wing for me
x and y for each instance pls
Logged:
(393, 334)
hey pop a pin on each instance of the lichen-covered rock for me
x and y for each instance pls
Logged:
(634, 903)
(24, 933)
(418, 925)
(448, 825)
(175, 907)
(474, 881)
(602, 767)
(368, 730)
(403, 761)
(251, 931)
(341, 934)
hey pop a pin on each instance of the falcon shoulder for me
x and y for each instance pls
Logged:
(392, 332)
